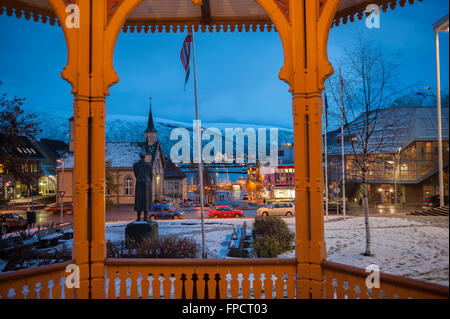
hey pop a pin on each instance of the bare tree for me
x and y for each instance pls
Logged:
(370, 84)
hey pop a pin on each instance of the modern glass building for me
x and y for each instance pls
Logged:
(403, 159)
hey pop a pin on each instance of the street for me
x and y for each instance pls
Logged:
(126, 213)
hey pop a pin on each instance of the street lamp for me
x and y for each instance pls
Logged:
(441, 26)
(395, 174)
(62, 187)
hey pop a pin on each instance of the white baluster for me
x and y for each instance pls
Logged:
(274, 279)
(263, 290)
(161, 286)
(251, 278)
(117, 285)
(25, 291)
(38, 288)
(240, 278)
(62, 283)
(285, 278)
(228, 278)
(12, 293)
(150, 286)
(172, 286)
(128, 284)
(139, 286)
(50, 288)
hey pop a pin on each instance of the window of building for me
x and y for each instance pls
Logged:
(128, 186)
(175, 184)
(170, 185)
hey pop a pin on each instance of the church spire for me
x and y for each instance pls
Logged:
(150, 132)
(150, 125)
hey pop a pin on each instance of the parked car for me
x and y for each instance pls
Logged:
(225, 211)
(12, 222)
(433, 201)
(56, 208)
(277, 209)
(165, 211)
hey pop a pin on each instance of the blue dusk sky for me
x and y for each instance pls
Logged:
(237, 72)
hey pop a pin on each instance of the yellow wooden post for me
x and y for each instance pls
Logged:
(310, 23)
(303, 26)
(90, 72)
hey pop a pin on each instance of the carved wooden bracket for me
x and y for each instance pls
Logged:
(112, 6)
(284, 6)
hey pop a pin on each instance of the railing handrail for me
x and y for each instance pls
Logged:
(31, 272)
(408, 283)
(200, 262)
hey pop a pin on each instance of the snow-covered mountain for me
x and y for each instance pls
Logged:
(120, 128)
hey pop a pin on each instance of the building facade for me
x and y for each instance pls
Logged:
(280, 183)
(175, 182)
(36, 171)
(404, 168)
(119, 159)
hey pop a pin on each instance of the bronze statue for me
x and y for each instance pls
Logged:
(143, 193)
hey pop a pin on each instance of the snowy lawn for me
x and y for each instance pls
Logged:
(406, 247)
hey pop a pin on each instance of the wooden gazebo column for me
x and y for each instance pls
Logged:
(90, 72)
(311, 23)
(304, 27)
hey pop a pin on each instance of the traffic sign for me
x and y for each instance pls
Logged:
(62, 193)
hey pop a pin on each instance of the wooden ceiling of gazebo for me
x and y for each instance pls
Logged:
(212, 15)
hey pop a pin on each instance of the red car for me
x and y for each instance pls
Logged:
(225, 211)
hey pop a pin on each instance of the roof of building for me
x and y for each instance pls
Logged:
(55, 147)
(26, 150)
(120, 154)
(396, 127)
(171, 171)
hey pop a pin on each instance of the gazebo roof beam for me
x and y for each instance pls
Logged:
(206, 12)
(243, 15)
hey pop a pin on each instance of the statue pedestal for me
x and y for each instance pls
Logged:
(139, 231)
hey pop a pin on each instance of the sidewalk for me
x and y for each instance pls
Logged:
(382, 209)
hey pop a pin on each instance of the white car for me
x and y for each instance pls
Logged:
(277, 209)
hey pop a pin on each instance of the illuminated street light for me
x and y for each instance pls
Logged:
(441, 26)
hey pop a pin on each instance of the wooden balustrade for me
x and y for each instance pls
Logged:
(201, 279)
(346, 282)
(213, 279)
(46, 282)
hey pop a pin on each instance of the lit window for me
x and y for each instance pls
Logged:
(128, 185)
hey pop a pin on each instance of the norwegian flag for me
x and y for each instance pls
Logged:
(186, 55)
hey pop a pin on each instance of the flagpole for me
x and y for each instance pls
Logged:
(326, 157)
(342, 144)
(199, 151)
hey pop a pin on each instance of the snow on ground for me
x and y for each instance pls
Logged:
(409, 247)
(401, 246)
(405, 247)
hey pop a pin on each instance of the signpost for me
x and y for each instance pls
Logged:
(61, 196)
(336, 196)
